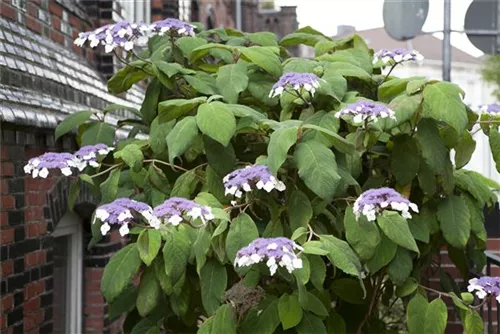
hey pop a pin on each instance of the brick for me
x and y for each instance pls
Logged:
(4, 186)
(32, 9)
(31, 230)
(7, 11)
(6, 169)
(56, 36)
(95, 323)
(8, 202)
(56, 23)
(32, 259)
(94, 299)
(7, 268)
(4, 153)
(33, 320)
(3, 321)
(33, 289)
(55, 8)
(493, 244)
(34, 213)
(7, 303)
(35, 199)
(33, 24)
(31, 305)
(7, 236)
(93, 274)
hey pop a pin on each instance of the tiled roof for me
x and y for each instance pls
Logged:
(41, 81)
(428, 45)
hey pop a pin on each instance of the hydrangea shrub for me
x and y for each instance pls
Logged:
(276, 193)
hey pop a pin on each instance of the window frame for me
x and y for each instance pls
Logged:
(70, 226)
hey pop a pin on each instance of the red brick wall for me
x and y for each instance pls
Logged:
(30, 210)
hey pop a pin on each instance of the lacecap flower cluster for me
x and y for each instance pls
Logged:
(397, 56)
(295, 81)
(124, 211)
(366, 110)
(65, 162)
(251, 177)
(485, 285)
(374, 201)
(492, 109)
(275, 251)
(127, 35)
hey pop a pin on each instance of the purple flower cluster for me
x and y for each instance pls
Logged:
(127, 35)
(244, 179)
(121, 212)
(492, 109)
(366, 110)
(175, 209)
(277, 251)
(397, 56)
(485, 285)
(374, 201)
(40, 165)
(121, 34)
(178, 27)
(295, 81)
(87, 155)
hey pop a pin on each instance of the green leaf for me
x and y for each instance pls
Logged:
(119, 271)
(158, 134)
(74, 191)
(404, 108)
(415, 85)
(150, 104)
(338, 142)
(476, 218)
(221, 159)
(317, 168)
(202, 50)
(405, 159)
(391, 88)
(203, 83)
(436, 317)
(72, 121)
(279, 143)
(175, 108)
(216, 121)
(131, 155)
(419, 228)
(443, 103)
(241, 111)
(341, 254)
(347, 70)
(384, 254)
(241, 233)
(213, 281)
(124, 303)
(185, 185)
(299, 210)
(289, 311)
(311, 324)
(224, 320)
(148, 243)
(416, 314)
(494, 139)
(149, 292)
(171, 69)
(264, 38)
(181, 137)
(98, 133)
(310, 302)
(201, 247)
(125, 78)
(188, 44)
(454, 219)
(315, 248)
(231, 80)
(176, 253)
(464, 150)
(400, 267)
(325, 120)
(265, 320)
(318, 271)
(109, 188)
(361, 234)
(432, 146)
(264, 58)
(396, 228)
(350, 290)
(408, 287)
(473, 323)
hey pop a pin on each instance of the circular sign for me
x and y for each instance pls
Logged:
(403, 20)
(482, 15)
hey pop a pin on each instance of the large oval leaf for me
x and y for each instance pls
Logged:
(213, 280)
(181, 137)
(216, 121)
(279, 143)
(231, 80)
(119, 271)
(241, 233)
(454, 219)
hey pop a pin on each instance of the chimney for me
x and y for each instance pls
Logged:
(344, 30)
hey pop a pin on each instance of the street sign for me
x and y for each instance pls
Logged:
(481, 25)
(403, 20)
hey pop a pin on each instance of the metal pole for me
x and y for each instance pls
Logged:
(447, 41)
(238, 14)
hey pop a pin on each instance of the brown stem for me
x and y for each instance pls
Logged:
(378, 283)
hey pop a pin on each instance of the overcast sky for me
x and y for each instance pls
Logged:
(326, 15)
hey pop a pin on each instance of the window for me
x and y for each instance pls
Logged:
(68, 267)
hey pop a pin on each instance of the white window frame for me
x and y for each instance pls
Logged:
(71, 226)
